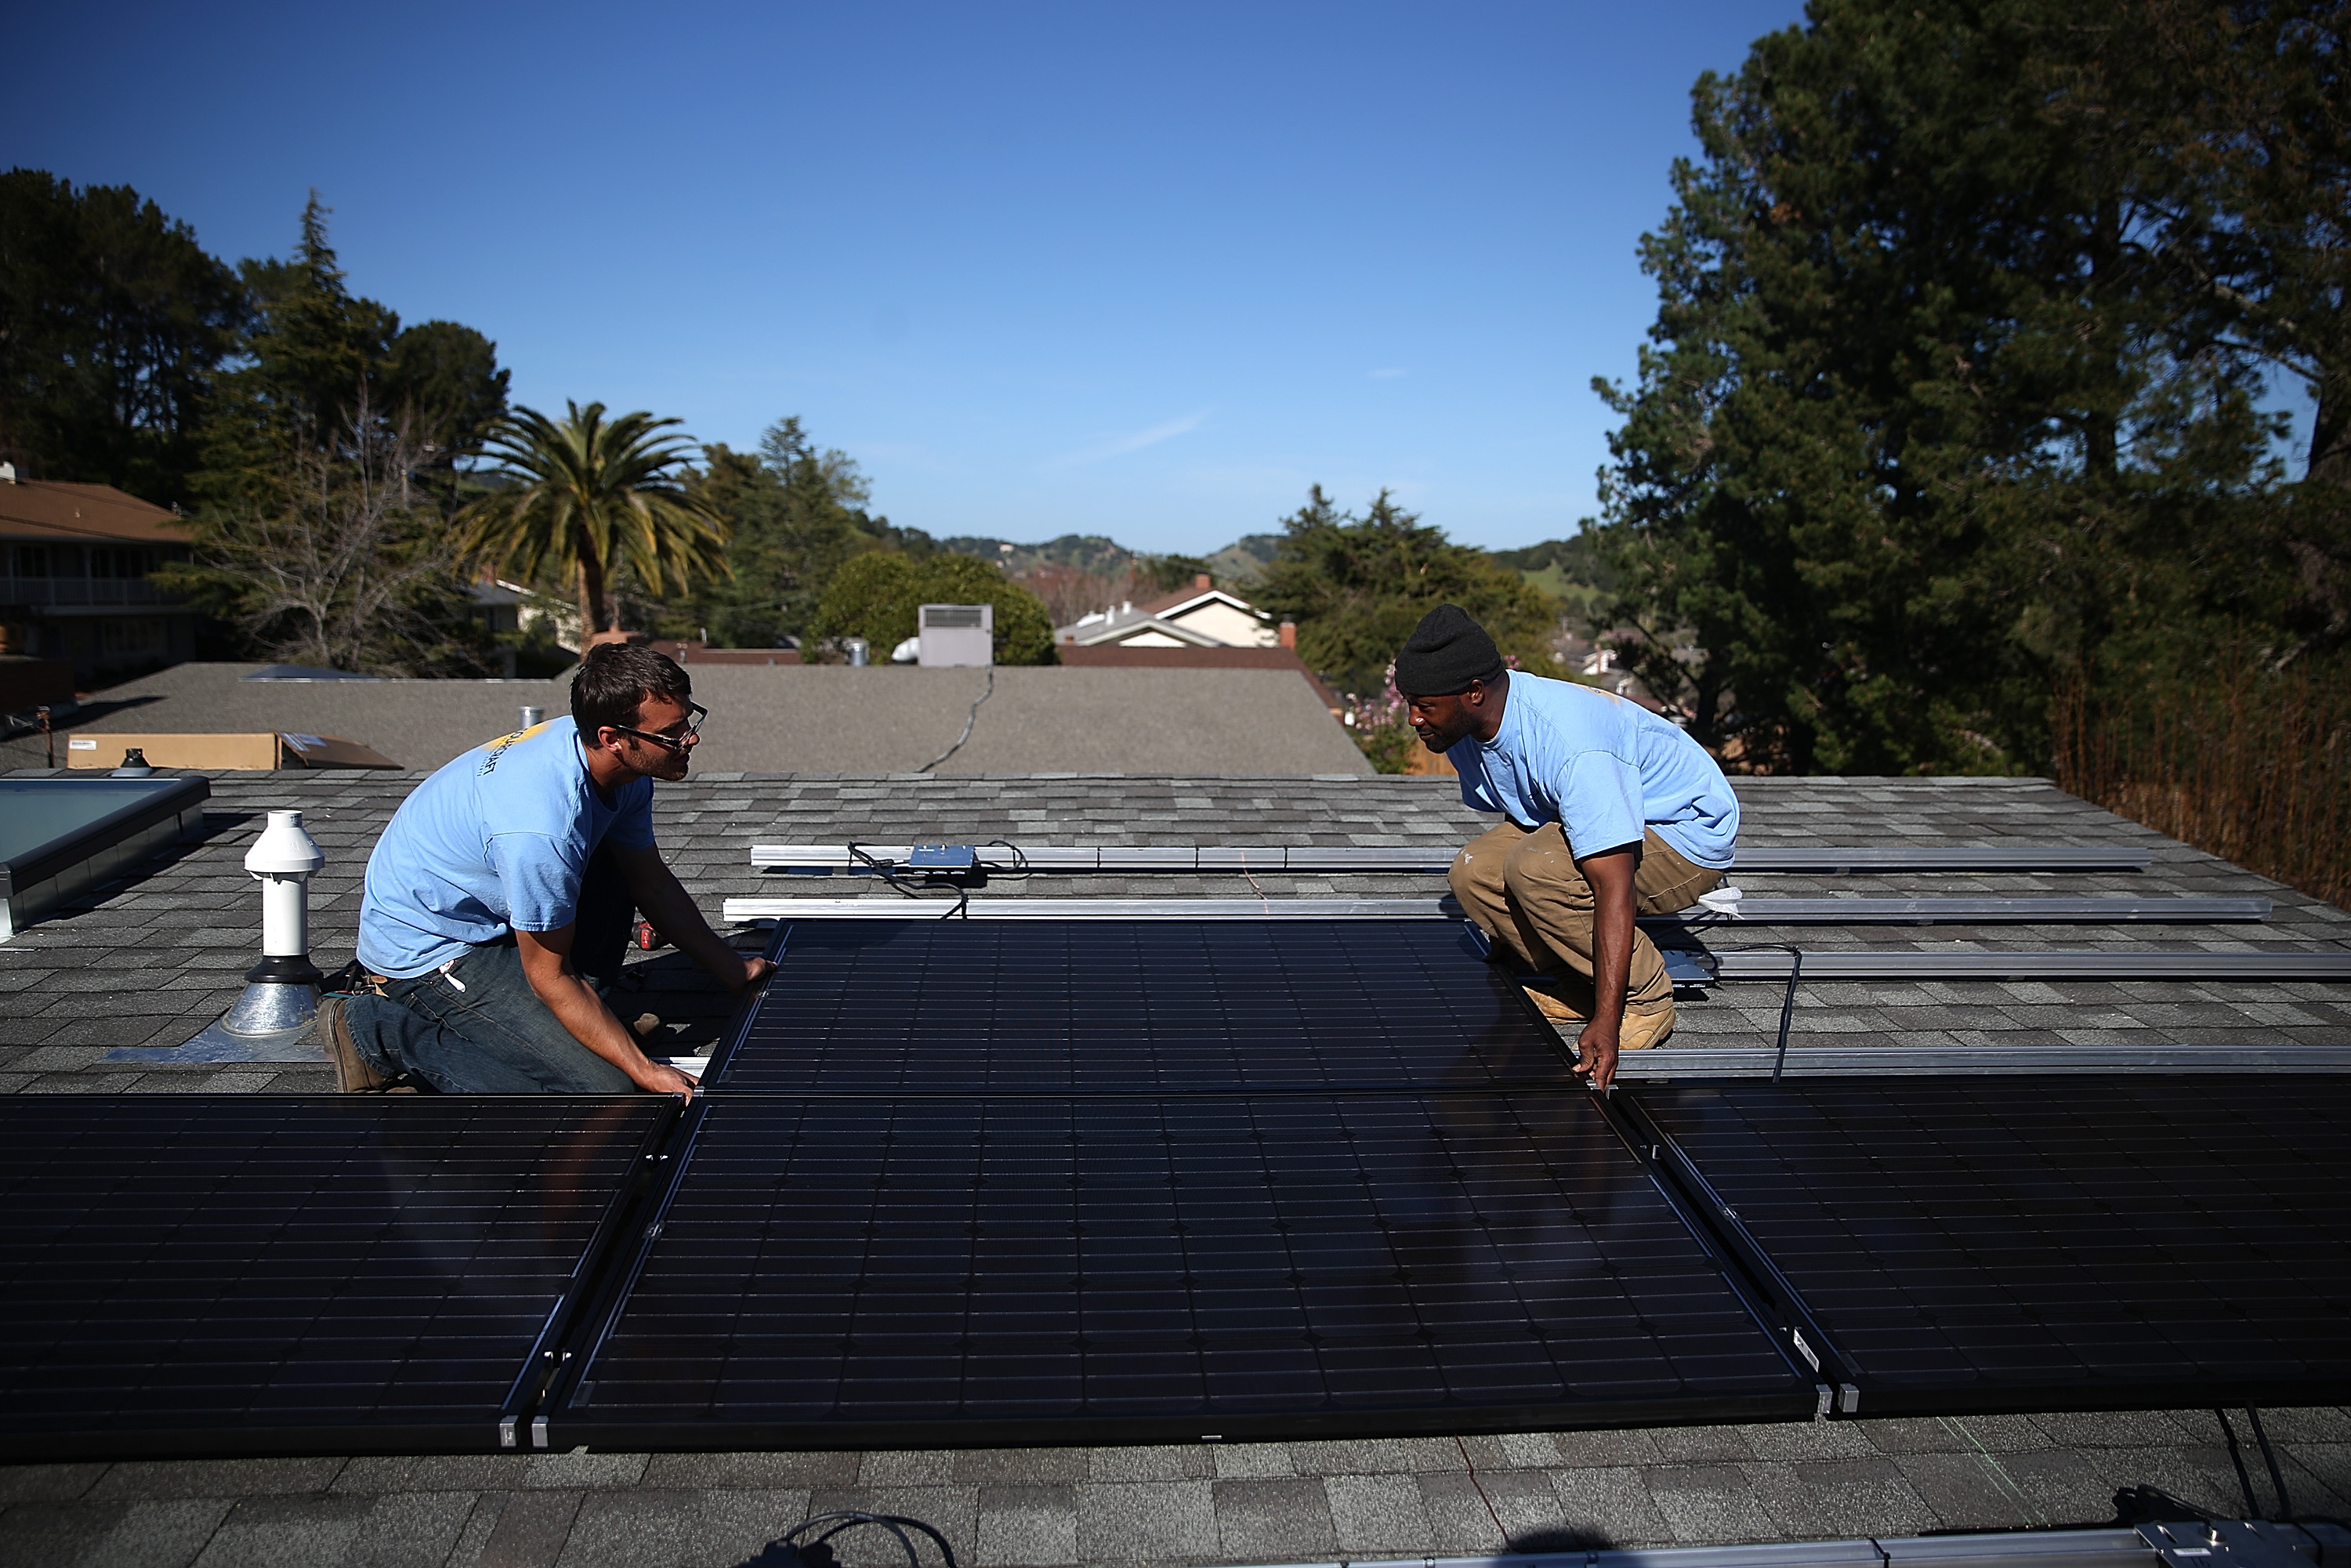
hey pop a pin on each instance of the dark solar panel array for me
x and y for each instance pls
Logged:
(208, 1273)
(2046, 1243)
(847, 1270)
(1084, 1007)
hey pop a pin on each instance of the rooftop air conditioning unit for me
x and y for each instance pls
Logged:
(957, 634)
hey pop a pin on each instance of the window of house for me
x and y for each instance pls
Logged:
(129, 636)
(31, 560)
(121, 561)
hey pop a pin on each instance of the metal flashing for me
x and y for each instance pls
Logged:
(67, 834)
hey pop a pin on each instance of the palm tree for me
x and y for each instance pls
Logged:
(590, 497)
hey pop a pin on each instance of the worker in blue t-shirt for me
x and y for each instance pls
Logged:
(499, 900)
(1611, 811)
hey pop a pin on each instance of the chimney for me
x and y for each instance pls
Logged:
(1290, 635)
(1200, 581)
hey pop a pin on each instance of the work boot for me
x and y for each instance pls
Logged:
(353, 1074)
(1562, 1000)
(1645, 1026)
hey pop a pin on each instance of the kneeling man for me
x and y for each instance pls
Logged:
(1611, 811)
(498, 903)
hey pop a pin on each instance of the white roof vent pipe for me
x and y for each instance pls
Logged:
(281, 992)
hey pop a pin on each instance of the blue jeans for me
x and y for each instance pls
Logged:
(492, 1037)
(481, 1029)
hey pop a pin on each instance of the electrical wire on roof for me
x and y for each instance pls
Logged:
(789, 1551)
(987, 692)
(2237, 1457)
(895, 877)
(2269, 1458)
(1787, 1002)
(1020, 866)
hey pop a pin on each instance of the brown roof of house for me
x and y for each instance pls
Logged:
(41, 509)
(1218, 658)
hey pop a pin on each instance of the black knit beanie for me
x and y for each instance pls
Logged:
(1444, 652)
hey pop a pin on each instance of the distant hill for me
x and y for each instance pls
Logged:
(1568, 570)
(1086, 552)
(1244, 560)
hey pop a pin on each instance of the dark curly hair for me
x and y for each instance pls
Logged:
(615, 679)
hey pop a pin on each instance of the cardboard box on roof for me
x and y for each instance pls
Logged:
(262, 751)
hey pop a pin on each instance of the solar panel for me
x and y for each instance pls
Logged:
(861, 1271)
(976, 1006)
(201, 1274)
(2075, 1243)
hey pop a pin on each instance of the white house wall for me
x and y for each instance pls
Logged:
(1234, 628)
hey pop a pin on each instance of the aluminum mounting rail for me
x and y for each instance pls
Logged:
(2023, 963)
(820, 860)
(1975, 911)
(1830, 858)
(1753, 912)
(1668, 1061)
(748, 911)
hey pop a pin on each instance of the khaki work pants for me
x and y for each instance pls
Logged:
(1526, 893)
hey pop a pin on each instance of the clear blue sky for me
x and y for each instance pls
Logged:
(1145, 271)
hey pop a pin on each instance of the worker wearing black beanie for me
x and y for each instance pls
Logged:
(1444, 652)
(1611, 811)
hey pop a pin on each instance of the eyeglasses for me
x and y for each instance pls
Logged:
(694, 714)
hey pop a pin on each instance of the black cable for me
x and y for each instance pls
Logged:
(2277, 1475)
(2236, 1457)
(988, 691)
(1788, 1009)
(1787, 1002)
(891, 876)
(788, 1550)
(1020, 866)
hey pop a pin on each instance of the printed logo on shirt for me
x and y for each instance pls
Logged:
(498, 748)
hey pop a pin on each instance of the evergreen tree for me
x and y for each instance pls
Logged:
(114, 323)
(1915, 425)
(796, 513)
(1357, 586)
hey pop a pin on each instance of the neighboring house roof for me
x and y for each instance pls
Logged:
(798, 718)
(1199, 617)
(40, 510)
(156, 957)
(1128, 655)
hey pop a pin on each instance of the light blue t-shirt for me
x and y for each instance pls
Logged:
(496, 840)
(1603, 768)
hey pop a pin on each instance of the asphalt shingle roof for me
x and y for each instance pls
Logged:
(876, 719)
(155, 957)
